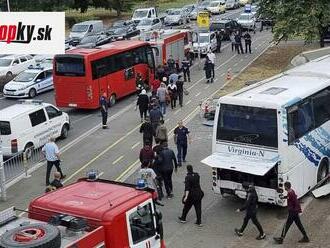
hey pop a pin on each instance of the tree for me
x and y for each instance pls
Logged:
(81, 4)
(118, 5)
(305, 18)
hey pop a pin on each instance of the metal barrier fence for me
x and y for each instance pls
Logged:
(18, 166)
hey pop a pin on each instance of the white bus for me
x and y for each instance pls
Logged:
(274, 131)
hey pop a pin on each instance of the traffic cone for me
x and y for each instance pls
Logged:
(229, 74)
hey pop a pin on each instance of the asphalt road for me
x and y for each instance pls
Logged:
(114, 153)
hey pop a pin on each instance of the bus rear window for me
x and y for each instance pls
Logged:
(248, 125)
(5, 128)
(69, 66)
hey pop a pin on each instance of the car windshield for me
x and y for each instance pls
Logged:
(79, 28)
(244, 17)
(145, 22)
(119, 24)
(174, 12)
(5, 62)
(249, 125)
(140, 13)
(89, 39)
(204, 4)
(25, 77)
(204, 38)
(217, 26)
(214, 4)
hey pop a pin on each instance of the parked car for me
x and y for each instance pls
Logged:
(193, 14)
(217, 7)
(30, 82)
(82, 29)
(129, 26)
(247, 21)
(203, 42)
(44, 60)
(4, 55)
(244, 2)
(30, 124)
(14, 64)
(149, 24)
(176, 16)
(95, 40)
(225, 26)
(232, 4)
(204, 5)
(189, 8)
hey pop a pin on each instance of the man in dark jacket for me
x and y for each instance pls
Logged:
(155, 117)
(247, 39)
(181, 139)
(147, 154)
(250, 208)
(167, 158)
(143, 103)
(193, 196)
(179, 87)
(186, 69)
(219, 38)
(294, 209)
(171, 64)
(238, 43)
(104, 110)
(147, 130)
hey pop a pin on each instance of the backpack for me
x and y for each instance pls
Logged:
(161, 133)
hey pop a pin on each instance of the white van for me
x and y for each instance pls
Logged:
(30, 124)
(82, 29)
(140, 14)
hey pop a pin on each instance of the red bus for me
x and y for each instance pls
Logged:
(83, 74)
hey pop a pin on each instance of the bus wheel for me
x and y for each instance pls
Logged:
(112, 100)
(323, 170)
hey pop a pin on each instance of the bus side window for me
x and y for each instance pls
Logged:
(321, 107)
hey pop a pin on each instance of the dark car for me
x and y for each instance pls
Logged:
(95, 40)
(225, 26)
(128, 25)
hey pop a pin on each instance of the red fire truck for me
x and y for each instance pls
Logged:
(86, 214)
(83, 74)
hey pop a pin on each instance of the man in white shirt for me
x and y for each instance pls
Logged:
(148, 175)
(52, 154)
(211, 57)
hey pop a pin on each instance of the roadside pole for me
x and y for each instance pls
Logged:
(2, 176)
(8, 6)
(203, 21)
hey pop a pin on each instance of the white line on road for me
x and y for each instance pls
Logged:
(101, 173)
(167, 120)
(2, 98)
(198, 94)
(235, 64)
(206, 87)
(176, 112)
(222, 74)
(118, 159)
(82, 118)
(188, 102)
(136, 144)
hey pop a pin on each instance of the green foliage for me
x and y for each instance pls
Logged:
(305, 18)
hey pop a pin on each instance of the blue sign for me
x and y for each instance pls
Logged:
(247, 8)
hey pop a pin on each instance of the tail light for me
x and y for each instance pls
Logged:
(14, 146)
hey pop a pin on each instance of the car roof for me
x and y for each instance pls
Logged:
(97, 201)
(221, 21)
(11, 112)
(13, 56)
(89, 22)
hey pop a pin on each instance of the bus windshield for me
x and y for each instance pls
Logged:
(70, 66)
(249, 125)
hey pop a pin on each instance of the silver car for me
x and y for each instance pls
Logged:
(148, 24)
(176, 16)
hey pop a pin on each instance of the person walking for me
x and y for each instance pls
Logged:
(247, 39)
(161, 94)
(186, 69)
(147, 130)
(171, 64)
(193, 195)
(181, 138)
(146, 153)
(294, 209)
(250, 208)
(167, 158)
(161, 132)
(173, 77)
(173, 92)
(218, 36)
(238, 43)
(104, 110)
(143, 103)
(155, 117)
(208, 70)
(232, 40)
(52, 154)
(160, 72)
(211, 57)
(179, 87)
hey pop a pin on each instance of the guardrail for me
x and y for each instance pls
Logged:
(18, 166)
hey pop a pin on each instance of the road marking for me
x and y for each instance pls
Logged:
(241, 60)
(235, 64)
(2, 98)
(101, 174)
(136, 144)
(167, 120)
(198, 94)
(206, 87)
(118, 159)
(188, 102)
(82, 118)
(176, 112)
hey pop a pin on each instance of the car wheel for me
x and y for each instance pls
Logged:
(112, 100)
(9, 75)
(65, 131)
(28, 150)
(32, 93)
(323, 170)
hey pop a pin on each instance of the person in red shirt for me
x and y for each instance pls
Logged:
(294, 209)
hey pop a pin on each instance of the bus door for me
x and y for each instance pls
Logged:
(151, 62)
(101, 81)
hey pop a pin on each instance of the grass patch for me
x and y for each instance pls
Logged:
(274, 61)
